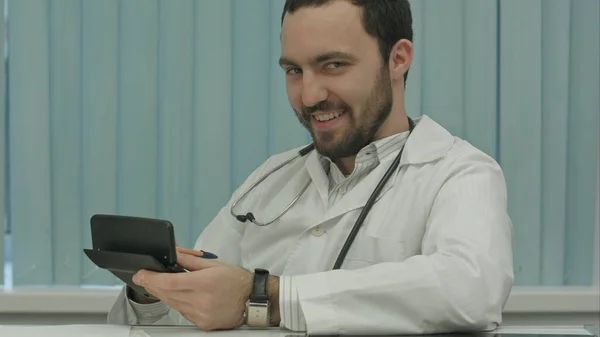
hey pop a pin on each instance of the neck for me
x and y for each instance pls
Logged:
(396, 123)
(346, 164)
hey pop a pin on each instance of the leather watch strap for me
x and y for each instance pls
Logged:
(257, 307)
(259, 286)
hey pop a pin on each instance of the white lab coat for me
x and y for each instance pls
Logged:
(434, 254)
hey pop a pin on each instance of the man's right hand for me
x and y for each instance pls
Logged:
(137, 298)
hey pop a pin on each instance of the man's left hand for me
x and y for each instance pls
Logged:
(212, 295)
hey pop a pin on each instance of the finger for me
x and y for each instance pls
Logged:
(142, 276)
(163, 281)
(192, 263)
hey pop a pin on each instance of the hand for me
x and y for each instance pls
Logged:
(212, 295)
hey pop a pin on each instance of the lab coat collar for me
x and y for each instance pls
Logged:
(428, 142)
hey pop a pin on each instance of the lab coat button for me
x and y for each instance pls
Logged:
(342, 190)
(318, 231)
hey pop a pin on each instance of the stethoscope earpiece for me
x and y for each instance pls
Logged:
(244, 218)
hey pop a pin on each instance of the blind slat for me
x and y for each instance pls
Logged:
(29, 139)
(520, 129)
(3, 185)
(137, 124)
(212, 136)
(251, 90)
(443, 72)
(100, 92)
(555, 101)
(65, 141)
(175, 116)
(480, 75)
(584, 121)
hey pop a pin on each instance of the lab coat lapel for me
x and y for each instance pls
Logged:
(318, 176)
(428, 142)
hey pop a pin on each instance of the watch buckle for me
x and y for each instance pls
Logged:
(257, 314)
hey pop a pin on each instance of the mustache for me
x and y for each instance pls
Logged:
(324, 106)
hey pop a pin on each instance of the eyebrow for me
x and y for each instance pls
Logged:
(319, 58)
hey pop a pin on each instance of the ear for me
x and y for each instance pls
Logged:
(401, 57)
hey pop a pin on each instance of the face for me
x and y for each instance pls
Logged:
(336, 81)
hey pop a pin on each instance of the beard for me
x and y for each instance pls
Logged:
(362, 126)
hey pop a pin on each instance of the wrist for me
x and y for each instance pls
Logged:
(262, 302)
(274, 300)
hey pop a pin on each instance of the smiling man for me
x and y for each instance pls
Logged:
(346, 86)
(388, 226)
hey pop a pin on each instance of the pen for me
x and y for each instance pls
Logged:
(198, 253)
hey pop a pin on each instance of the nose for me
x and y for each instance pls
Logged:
(313, 91)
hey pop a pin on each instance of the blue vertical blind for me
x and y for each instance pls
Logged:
(2, 139)
(161, 108)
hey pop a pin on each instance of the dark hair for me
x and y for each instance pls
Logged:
(388, 21)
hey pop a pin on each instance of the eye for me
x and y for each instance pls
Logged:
(334, 65)
(292, 71)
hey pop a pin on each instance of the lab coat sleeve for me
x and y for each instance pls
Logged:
(221, 237)
(124, 313)
(460, 282)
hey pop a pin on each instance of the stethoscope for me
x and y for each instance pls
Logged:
(359, 221)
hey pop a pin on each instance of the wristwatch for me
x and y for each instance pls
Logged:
(258, 307)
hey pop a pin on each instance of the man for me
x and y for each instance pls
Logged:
(434, 254)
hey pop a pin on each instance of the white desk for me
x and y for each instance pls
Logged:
(159, 331)
(189, 332)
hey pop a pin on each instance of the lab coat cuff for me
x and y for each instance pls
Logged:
(290, 310)
(148, 313)
(157, 309)
(122, 312)
(314, 293)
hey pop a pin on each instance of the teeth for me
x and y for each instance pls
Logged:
(329, 116)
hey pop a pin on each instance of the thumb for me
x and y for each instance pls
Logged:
(191, 262)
